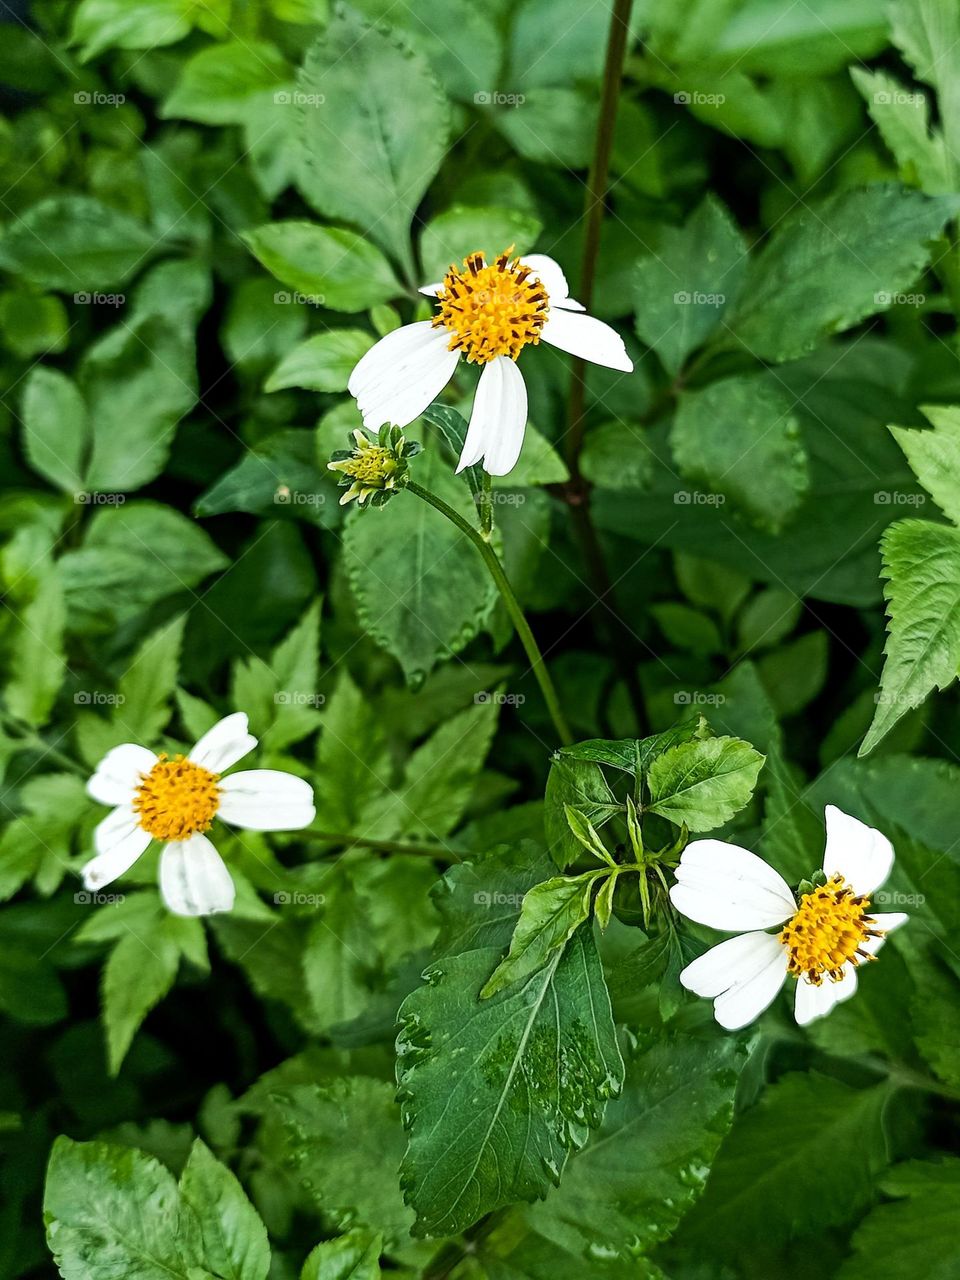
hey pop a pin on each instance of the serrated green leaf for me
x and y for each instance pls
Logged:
(138, 974)
(649, 1161)
(331, 266)
(321, 363)
(683, 290)
(803, 1159)
(385, 148)
(703, 784)
(75, 243)
(56, 429)
(579, 783)
(502, 1059)
(915, 1231)
(934, 457)
(353, 1256)
(234, 1240)
(551, 912)
(460, 230)
(740, 437)
(921, 564)
(819, 275)
(113, 1211)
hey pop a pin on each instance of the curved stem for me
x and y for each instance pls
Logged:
(486, 506)
(537, 665)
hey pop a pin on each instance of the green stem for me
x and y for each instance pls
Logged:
(391, 846)
(593, 212)
(537, 665)
(29, 738)
(486, 507)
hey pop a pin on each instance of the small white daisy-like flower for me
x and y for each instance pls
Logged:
(823, 934)
(486, 313)
(176, 800)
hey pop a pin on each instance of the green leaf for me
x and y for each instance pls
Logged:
(421, 588)
(281, 475)
(649, 1161)
(580, 784)
(551, 126)
(916, 1230)
(616, 455)
(921, 563)
(129, 24)
(934, 457)
(75, 243)
(803, 1159)
(56, 429)
(703, 784)
(354, 1256)
(37, 663)
(384, 146)
(217, 84)
(281, 696)
(499, 1061)
(146, 688)
(132, 556)
(819, 274)
(928, 33)
(138, 381)
(321, 363)
(138, 974)
(439, 778)
(902, 119)
(353, 759)
(683, 290)
(587, 834)
(343, 1143)
(550, 914)
(331, 266)
(112, 1211)
(740, 437)
(460, 230)
(234, 1239)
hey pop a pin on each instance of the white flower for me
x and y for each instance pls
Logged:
(175, 800)
(824, 934)
(488, 314)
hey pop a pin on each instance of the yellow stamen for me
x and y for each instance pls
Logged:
(177, 798)
(491, 310)
(828, 930)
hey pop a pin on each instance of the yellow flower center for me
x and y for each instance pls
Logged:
(373, 465)
(491, 310)
(829, 929)
(177, 798)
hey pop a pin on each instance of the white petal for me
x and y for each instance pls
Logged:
(266, 800)
(862, 855)
(223, 745)
(730, 963)
(194, 880)
(403, 373)
(886, 922)
(587, 337)
(498, 419)
(551, 276)
(119, 841)
(726, 887)
(431, 290)
(815, 1002)
(747, 1000)
(119, 773)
